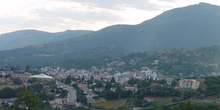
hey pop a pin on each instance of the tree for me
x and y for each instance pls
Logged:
(112, 80)
(27, 68)
(37, 87)
(163, 81)
(83, 78)
(28, 98)
(8, 75)
(7, 93)
(3, 104)
(80, 97)
(174, 83)
(188, 106)
(32, 80)
(68, 80)
(17, 81)
(64, 93)
(92, 78)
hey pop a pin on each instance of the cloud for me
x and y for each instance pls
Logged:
(168, 0)
(116, 4)
(72, 13)
(59, 15)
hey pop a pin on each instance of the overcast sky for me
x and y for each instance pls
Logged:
(60, 15)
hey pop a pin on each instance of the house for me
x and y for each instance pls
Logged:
(2, 100)
(153, 85)
(56, 105)
(169, 81)
(99, 89)
(2, 80)
(57, 101)
(9, 81)
(82, 85)
(90, 99)
(22, 106)
(132, 88)
(148, 99)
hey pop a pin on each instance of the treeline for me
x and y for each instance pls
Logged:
(84, 63)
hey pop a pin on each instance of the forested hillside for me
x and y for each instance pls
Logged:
(185, 61)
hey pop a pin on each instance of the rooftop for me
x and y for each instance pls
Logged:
(41, 76)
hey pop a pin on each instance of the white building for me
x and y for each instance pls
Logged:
(42, 77)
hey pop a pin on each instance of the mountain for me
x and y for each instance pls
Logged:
(192, 26)
(25, 38)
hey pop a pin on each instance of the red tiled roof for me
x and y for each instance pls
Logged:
(146, 98)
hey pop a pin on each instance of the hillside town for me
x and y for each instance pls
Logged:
(83, 77)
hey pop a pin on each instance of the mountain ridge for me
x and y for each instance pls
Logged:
(23, 38)
(177, 28)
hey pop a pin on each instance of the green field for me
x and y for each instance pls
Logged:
(115, 104)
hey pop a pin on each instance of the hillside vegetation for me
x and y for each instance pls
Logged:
(185, 61)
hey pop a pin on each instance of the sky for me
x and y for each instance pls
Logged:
(61, 15)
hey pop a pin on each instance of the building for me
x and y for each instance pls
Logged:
(21, 75)
(189, 84)
(99, 89)
(154, 85)
(42, 77)
(148, 99)
(132, 88)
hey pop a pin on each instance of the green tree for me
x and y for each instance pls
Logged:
(8, 75)
(80, 97)
(17, 81)
(27, 68)
(3, 104)
(32, 80)
(37, 87)
(92, 78)
(28, 98)
(188, 106)
(112, 80)
(174, 83)
(7, 93)
(68, 80)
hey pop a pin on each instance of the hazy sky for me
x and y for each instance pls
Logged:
(60, 15)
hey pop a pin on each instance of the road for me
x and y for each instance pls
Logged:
(71, 93)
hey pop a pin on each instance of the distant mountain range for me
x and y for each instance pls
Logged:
(25, 38)
(192, 26)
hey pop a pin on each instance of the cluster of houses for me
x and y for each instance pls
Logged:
(121, 78)
(97, 74)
